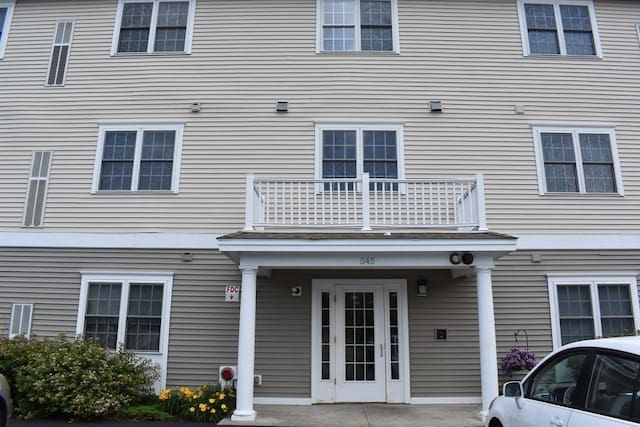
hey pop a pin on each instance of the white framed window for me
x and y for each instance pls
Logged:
(36, 196)
(585, 307)
(60, 53)
(349, 150)
(21, 315)
(559, 27)
(6, 13)
(577, 160)
(357, 26)
(153, 26)
(142, 157)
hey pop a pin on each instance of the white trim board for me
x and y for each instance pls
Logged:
(577, 242)
(466, 400)
(282, 401)
(109, 240)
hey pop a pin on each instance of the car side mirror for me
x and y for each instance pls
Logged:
(512, 389)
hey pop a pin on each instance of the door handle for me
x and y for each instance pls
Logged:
(557, 422)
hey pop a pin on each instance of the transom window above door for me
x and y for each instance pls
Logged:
(559, 27)
(138, 158)
(348, 151)
(357, 25)
(153, 26)
(577, 160)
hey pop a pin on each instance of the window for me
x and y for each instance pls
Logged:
(556, 27)
(558, 381)
(614, 387)
(6, 12)
(37, 189)
(577, 160)
(346, 151)
(154, 26)
(138, 158)
(125, 310)
(20, 320)
(590, 307)
(357, 25)
(60, 53)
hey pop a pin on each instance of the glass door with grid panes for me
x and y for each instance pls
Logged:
(359, 342)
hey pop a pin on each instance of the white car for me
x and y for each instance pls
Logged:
(594, 383)
(5, 401)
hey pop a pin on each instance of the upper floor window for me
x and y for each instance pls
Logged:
(153, 26)
(559, 27)
(577, 160)
(6, 11)
(357, 25)
(138, 158)
(348, 151)
(589, 307)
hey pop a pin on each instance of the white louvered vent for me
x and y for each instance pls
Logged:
(37, 191)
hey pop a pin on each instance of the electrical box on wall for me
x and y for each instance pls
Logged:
(441, 334)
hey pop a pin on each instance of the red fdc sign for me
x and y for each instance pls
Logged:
(232, 293)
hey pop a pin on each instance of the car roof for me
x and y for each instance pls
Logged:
(627, 344)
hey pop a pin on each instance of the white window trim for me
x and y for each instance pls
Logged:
(526, 50)
(357, 30)
(126, 278)
(10, 5)
(15, 307)
(555, 280)
(638, 31)
(575, 131)
(53, 45)
(139, 128)
(152, 30)
(359, 128)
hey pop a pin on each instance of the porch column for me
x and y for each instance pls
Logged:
(487, 336)
(246, 347)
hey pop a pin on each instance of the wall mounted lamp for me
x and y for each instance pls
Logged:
(435, 106)
(282, 106)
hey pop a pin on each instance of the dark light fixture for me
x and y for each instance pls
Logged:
(421, 288)
(282, 106)
(467, 258)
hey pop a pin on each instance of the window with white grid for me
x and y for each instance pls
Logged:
(138, 158)
(154, 26)
(124, 311)
(6, 12)
(20, 320)
(577, 160)
(591, 307)
(60, 53)
(357, 25)
(559, 27)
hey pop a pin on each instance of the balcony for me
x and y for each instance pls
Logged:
(364, 203)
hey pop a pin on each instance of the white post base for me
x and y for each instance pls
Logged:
(243, 416)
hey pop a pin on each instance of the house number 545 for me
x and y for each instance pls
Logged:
(367, 260)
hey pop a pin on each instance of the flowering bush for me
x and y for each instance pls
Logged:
(75, 378)
(518, 359)
(204, 404)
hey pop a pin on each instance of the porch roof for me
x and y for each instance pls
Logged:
(280, 249)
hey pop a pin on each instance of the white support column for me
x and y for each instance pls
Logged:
(487, 336)
(246, 347)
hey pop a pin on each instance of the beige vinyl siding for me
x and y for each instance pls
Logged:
(203, 332)
(247, 54)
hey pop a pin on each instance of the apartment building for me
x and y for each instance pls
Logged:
(400, 189)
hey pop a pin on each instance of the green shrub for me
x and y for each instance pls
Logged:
(75, 378)
(205, 404)
(145, 412)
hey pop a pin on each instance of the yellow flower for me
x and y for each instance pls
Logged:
(220, 395)
(213, 411)
(186, 391)
(165, 394)
(212, 401)
(224, 407)
(192, 409)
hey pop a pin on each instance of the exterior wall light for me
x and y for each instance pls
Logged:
(467, 258)
(421, 288)
(435, 106)
(455, 258)
(282, 106)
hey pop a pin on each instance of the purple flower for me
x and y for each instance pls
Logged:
(517, 359)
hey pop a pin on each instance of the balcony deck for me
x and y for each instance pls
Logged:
(364, 203)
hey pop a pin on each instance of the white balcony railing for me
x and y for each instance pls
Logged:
(365, 203)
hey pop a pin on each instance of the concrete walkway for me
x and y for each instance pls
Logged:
(367, 414)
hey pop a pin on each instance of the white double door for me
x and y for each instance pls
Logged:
(359, 342)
